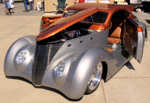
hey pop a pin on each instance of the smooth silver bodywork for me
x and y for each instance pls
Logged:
(142, 36)
(25, 70)
(80, 56)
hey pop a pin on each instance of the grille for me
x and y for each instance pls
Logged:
(43, 56)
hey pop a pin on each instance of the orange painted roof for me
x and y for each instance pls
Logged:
(103, 7)
(65, 22)
(87, 9)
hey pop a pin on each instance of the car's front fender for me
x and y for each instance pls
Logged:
(75, 81)
(23, 70)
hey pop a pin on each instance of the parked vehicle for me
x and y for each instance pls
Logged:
(146, 5)
(75, 51)
(134, 1)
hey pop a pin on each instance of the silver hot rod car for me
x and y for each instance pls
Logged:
(76, 50)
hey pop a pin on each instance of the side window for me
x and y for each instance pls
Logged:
(88, 19)
(98, 17)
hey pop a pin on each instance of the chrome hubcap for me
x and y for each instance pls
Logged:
(95, 78)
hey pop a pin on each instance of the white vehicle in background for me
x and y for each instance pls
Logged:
(144, 3)
(135, 1)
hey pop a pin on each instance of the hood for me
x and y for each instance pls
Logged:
(64, 23)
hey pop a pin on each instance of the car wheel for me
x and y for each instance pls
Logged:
(95, 79)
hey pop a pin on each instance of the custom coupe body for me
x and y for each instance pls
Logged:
(77, 49)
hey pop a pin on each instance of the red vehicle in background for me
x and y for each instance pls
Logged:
(81, 1)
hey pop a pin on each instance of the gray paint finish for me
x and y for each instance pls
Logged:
(80, 55)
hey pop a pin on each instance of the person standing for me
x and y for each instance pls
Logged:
(26, 5)
(39, 5)
(61, 4)
(11, 3)
(31, 4)
(7, 6)
(1, 1)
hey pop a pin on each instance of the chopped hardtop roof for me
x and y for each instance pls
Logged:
(102, 7)
(85, 10)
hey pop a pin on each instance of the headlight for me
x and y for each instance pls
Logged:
(22, 56)
(22, 59)
(59, 70)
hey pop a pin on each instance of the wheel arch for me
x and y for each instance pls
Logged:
(105, 70)
(79, 82)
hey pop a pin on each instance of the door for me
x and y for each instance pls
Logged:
(133, 39)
